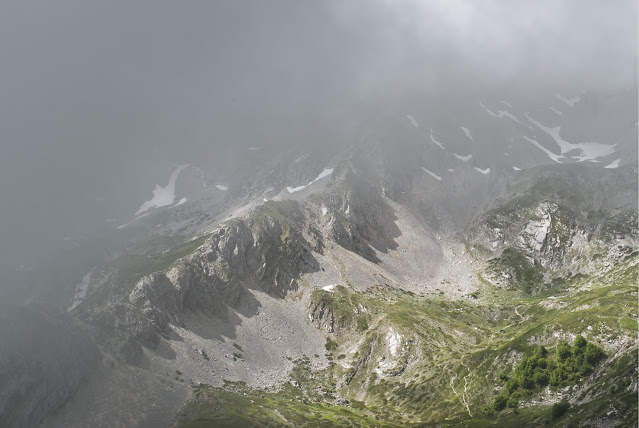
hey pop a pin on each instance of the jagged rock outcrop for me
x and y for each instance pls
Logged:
(322, 315)
(559, 236)
(122, 329)
(269, 251)
(361, 219)
(44, 357)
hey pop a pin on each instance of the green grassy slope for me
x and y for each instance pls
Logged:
(447, 360)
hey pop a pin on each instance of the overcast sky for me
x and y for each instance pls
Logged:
(97, 94)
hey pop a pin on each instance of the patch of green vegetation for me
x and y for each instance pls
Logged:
(560, 409)
(236, 405)
(348, 308)
(525, 276)
(539, 370)
(454, 353)
(222, 270)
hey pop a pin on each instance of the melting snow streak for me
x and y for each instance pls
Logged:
(432, 174)
(412, 120)
(463, 158)
(325, 173)
(437, 143)
(467, 132)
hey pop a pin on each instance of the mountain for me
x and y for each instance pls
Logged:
(436, 270)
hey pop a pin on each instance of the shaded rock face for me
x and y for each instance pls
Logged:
(121, 330)
(268, 251)
(43, 359)
(322, 316)
(361, 220)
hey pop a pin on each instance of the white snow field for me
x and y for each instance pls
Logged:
(162, 196)
(589, 151)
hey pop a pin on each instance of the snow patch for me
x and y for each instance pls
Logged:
(483, 171)
(162, 196)
(221, 187)
(516, 169)
(451, 170)
(325, 173)
(91, 281)
(300, 158)
(329, 288)
(412, 120)
(588, 150)
(81, 290)
(556, 111)
(254, 148)
(463, 158)
(180, 202)
(503, 113)
(500, 114)
(569, 101)
(550, 154)
(467, 132)
(432, 174)
(122, 226)
(394, 341)
(613, 164)
(295, 189)
(489, 111)
(437, 143)
(507, 104)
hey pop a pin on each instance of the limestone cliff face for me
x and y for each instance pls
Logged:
(571, 236)
(43, 359)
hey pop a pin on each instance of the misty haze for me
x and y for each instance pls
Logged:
(319, 213)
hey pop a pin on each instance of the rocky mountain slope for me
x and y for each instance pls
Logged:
(398, 281)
